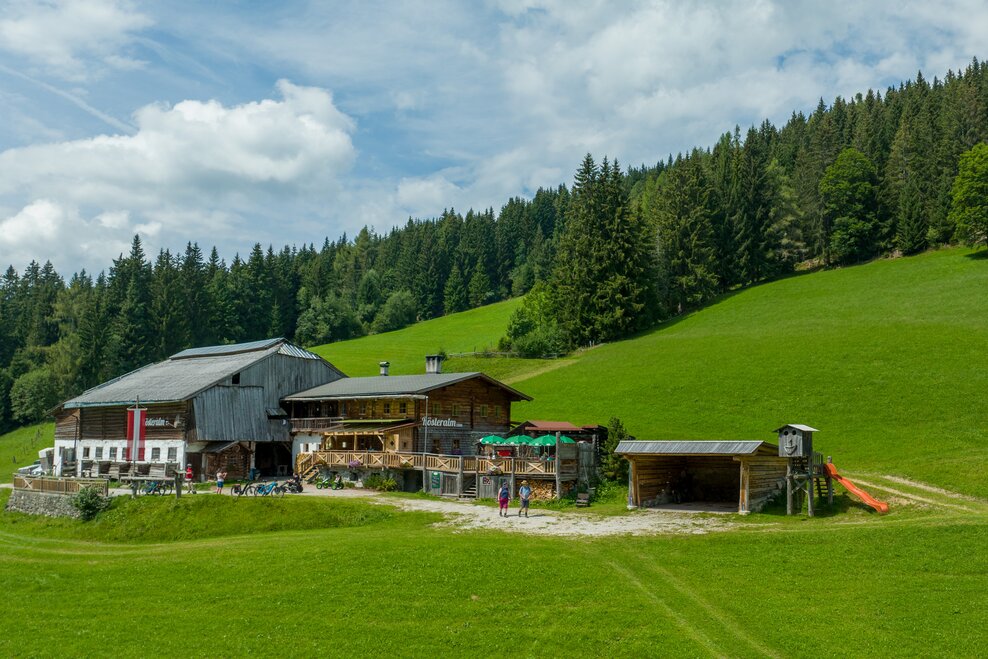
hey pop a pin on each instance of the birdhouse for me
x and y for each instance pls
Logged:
(796, 441)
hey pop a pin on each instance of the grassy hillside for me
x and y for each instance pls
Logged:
(470, 331)
(20, 447)
(887, 359)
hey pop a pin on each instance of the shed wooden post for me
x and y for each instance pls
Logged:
(511, 486)
(743, 503)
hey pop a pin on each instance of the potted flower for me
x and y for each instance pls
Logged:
(494, 470)
(355, 464)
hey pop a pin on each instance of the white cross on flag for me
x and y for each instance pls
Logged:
(136, 416)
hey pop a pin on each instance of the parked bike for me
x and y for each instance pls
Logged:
(324, 482)
(239, 490)
(160, 488)
(268, 489)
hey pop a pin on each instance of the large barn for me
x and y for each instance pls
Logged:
(211, 407)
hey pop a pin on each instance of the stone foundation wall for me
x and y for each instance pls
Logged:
(49, 504)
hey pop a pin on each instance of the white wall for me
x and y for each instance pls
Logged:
(120, 444)
(305, 443)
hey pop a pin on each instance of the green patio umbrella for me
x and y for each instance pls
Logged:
(550, 440)
(519, 440)
(492, 439)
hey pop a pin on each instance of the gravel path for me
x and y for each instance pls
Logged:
(469, 516)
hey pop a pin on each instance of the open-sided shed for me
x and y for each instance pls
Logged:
(748, 472)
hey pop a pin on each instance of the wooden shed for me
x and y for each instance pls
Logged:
(715, 472)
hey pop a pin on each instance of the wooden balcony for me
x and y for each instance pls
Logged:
(450, 464)
(316, 424)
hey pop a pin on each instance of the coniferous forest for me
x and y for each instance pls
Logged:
(616, 252)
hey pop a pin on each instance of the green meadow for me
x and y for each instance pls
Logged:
(346, 582)
(888, 359)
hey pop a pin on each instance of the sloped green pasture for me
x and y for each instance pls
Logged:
(887, 359)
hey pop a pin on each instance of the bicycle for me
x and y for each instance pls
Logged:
(160, 488)
(269, 489)
(243, 490)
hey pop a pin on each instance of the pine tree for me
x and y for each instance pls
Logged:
(455, 293)
(685, 238)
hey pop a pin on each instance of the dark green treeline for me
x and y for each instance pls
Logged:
(610, 256)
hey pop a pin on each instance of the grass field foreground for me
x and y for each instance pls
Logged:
(907, 586)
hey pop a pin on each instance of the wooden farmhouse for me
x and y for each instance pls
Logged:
(741, 473)
(211, 407)
(422, 430)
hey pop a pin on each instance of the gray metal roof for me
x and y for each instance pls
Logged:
(231, 349)
(687, 447)
(393, 385)
(182, 376)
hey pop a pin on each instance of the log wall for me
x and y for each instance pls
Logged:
(111, 422)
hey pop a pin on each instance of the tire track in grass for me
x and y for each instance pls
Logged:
(725, 619)
(690, 628)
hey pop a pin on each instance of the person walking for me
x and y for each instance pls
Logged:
(524, 495)
(503, 495)
(220, 477)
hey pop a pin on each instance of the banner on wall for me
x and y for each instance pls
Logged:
(136, 417)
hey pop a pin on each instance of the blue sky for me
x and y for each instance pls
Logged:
(285, 122)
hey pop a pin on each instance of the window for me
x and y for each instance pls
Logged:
(172, 454)
(435, 446)
(85, 453)
(113, 453)
(363, 409)
(99, 452)
(387, 409)
(236, 378)
(155, 454)
(497, 411)
(437, 409)
(456, 409)
(402, 408)
(483, 410)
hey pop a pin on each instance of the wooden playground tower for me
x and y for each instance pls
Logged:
(805, 470)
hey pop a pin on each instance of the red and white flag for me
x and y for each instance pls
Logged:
(136, 416)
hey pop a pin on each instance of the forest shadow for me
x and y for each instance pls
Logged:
(978, 255)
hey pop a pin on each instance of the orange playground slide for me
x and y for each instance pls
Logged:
(880, 506)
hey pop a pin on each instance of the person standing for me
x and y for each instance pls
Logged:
(503, 495)
(524, 495)
(220, 477)
(189, 475)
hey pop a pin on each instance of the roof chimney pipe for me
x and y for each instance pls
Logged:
(384, 367)
(433, 363)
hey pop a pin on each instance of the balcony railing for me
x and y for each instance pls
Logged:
(317, 423)
(453, 464)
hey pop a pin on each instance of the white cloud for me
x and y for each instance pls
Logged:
(63, 36)
(189, 170)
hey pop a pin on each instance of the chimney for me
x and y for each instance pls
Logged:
(384, 367)
(433, 363)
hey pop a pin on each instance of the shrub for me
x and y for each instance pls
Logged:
(379, 482)
(90, 502)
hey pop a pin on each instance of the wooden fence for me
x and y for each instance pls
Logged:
(58, 485)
